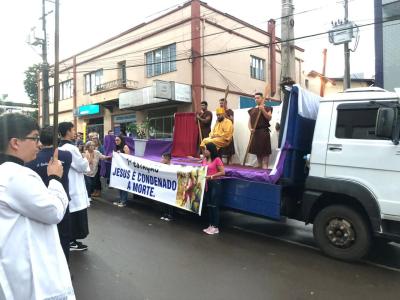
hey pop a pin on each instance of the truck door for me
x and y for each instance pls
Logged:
(354, 153)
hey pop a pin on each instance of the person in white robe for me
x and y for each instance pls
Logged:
(77, 187)
(32, 262)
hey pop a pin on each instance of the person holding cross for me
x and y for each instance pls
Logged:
(260, 143)
(204, 119)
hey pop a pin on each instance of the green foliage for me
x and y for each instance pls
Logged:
(31, 86)
(140, 129)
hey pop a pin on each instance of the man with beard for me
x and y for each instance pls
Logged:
(261, 142)
(205, 119)
(230, 149)
(221, 135)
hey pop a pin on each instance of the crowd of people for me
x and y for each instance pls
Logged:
(45, 192)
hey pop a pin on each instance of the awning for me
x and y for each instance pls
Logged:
(161, 92)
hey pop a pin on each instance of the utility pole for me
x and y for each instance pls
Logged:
(346, 79)
(56, 74)
(342, 32)
(287, 46)
(45, 72)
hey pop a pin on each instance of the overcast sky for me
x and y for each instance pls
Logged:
(84, 23)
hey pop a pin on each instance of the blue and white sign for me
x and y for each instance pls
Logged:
(87, 110)
(179, 186)
(118, 119)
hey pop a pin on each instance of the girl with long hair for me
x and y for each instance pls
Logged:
(213, 186)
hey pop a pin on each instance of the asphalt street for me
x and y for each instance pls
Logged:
(135, 255)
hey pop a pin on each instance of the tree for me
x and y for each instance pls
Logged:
(31, 86)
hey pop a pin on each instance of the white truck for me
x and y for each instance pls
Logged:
(353, 187)
(350, 190)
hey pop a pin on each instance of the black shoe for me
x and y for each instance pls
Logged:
(77, 246)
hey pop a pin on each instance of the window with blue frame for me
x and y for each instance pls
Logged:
(161, 60)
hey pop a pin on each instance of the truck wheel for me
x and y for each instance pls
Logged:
(342, 233)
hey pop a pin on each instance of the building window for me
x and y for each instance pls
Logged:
(122, 72)
(161, 123)
(257, 68)
(356, 123)
(65, 91)
(160, 61)
(92, 80)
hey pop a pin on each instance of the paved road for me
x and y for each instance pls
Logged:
(135, 255)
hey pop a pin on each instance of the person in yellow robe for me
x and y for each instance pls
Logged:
(221, 135)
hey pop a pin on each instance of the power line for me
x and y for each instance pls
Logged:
(177, 42)
(154, 48)
(308, 10)
(228, 81)
(158, 45)
(118, 41)
(165, 9)
(204, 15)
(244, 48)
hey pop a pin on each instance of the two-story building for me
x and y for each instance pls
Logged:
(167, 65)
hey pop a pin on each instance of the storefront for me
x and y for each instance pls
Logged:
(119, 122)
(158, 104)
(92, 116)
(161, 122)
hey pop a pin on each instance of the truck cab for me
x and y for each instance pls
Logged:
(352, 193)
(348, 187)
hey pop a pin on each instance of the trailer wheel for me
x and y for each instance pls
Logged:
(342, 233)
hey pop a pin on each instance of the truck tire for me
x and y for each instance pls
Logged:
(342, 232)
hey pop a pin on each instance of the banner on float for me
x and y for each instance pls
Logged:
(179, 186)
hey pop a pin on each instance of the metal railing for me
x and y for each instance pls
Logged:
(118, 83)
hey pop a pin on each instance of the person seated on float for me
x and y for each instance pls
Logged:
(222, 133)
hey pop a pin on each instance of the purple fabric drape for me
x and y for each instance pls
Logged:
(154, 149)
(158, 147)
(279, 168)
(105, 165)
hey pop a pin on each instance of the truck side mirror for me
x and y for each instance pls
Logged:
(385, 121)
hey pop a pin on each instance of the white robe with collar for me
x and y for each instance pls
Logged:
(32, 262)
(77, 186)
